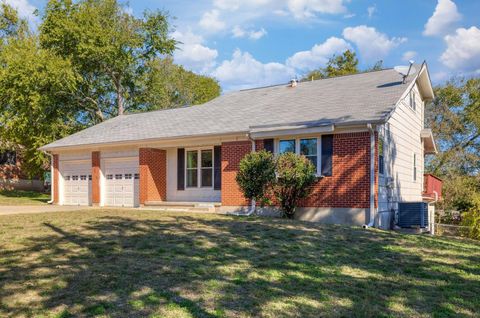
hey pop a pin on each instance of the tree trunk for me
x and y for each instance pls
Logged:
(120, 101)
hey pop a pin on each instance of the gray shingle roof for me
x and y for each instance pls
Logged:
(361, 98)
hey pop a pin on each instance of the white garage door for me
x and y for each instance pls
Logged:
(121, 183)
(77, 183)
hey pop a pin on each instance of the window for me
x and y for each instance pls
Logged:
(413, 103)
(137, 176)
(286, 146)
(414, 167)
(67, 178)
(74, 178)
(192, 167)
(83, 177)
(128, 176)
(381, 163)
(308, 148)
(90, 177)
(109, 176)
(207, 168)
(118, 176)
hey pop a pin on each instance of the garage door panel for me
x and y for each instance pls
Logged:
(76, 182)
(121, 186)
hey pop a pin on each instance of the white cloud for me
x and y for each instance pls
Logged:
(192, 53)
(372, 44)
(239, 32)
(463, 50)
(371, 11)
(304, 9)
(234, 5)
(319, 54)
(409, 55)
(211, 22)
(244, 71)
(349, 15)
(25, 9)
(443, 19)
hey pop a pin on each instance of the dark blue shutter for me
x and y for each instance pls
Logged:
(268, 145)
(327, 155)
(180, 169)
(217, 167)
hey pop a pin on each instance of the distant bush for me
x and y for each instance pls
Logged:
(471, 219)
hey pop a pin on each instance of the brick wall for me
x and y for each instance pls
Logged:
(232, 153)
(95, 177)
(56, 176)
(349, 185)
(153, 175)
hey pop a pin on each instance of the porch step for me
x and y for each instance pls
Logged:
(184, 206)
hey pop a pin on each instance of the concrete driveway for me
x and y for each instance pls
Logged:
(23, 209)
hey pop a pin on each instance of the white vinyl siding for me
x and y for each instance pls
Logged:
(405, 126)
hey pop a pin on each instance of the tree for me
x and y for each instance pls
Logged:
(256, 174)
(295, 175)
(454, 117)
(338, 65)
(170, 85)
(375, 67)
(110, 49)
(35, 104)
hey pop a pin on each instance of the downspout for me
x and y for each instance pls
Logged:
(372, 177)
(253, 205)
(52, 175)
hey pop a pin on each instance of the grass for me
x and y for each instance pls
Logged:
(20, 197)
(131, 263)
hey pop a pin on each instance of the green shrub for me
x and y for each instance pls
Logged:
(256, 174)
(471, 219)
(295, 175)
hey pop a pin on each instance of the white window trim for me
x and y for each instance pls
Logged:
(297, 149)
(199, 167)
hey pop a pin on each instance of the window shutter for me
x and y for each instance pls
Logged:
(217, 167)
(180, 169)
(268, 145)
(327, 155)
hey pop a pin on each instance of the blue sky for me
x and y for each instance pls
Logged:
(249, 43)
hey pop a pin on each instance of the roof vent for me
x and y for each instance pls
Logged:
(404, 71)
(293, 82)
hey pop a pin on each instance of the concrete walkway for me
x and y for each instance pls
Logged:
(24, 209)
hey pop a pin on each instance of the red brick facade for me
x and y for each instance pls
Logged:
(348, 187)
(96, 177)
(56, 176)
(232, 153)
(153, 175)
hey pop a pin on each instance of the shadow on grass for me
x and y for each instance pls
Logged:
(184, 265)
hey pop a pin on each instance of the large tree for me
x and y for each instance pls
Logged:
(454, 117)
(110, 48)
(88, 61)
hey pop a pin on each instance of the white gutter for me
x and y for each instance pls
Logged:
(372, 177)
(253, 205)
(51, 178)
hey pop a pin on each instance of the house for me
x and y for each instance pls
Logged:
(11, 174)
(364, 132)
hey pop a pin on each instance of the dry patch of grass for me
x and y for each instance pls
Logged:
(131, 263)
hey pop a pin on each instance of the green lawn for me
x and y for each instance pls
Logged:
(131, 263)
(19, 197)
